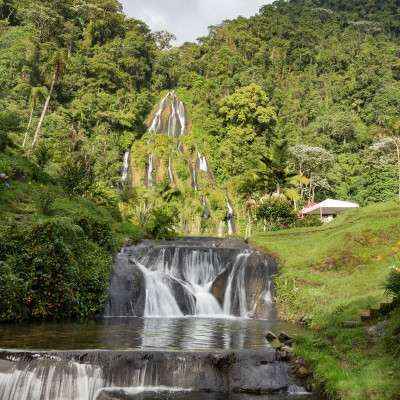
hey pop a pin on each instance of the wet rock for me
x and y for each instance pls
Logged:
(270, 336)
(376, 332)
(218, 287)
(284, 337)
(127, 290)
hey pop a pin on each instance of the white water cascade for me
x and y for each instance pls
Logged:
(125, 165)
(185, 279)
(150, 176)
(177, 119)
(202, 162)
(230, 219)
(156, 125)
(171, 175)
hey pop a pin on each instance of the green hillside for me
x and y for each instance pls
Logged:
(331, 274)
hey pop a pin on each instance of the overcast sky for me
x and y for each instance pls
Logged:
(189, 19)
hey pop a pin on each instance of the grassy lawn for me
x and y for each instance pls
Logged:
(330, 274)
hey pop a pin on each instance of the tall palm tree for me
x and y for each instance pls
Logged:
(276, 176)
(57, 61)
(35, 93)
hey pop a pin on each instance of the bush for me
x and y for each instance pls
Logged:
(51, 270)
(77, 176)
(308, 220)
(161, 222)
(44, 200)
(392, 282)
(277, 212)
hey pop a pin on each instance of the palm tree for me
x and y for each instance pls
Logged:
(57, 62)
(276, 176)
(35, 93)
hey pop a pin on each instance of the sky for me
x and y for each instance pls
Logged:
(189, 19)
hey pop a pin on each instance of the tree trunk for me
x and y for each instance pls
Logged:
(46, 104)
(27, 128)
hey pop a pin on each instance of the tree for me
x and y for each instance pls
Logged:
(57, 61)
(163, 39)
(276, 175)
(35, 93)
(311, 162)
(249, 107)
(391, 140)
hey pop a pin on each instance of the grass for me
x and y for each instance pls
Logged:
(330, 274)
(19, 205)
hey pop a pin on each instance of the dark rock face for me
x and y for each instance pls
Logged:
(127, 290)
(67, 374)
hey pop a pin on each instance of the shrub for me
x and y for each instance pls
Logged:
(392, 282)
(44, 200)
(277, 212)
(77, 176)
(308, 220)
(161, 222)
(51, 270)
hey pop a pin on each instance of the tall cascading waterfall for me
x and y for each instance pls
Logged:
(190, 277)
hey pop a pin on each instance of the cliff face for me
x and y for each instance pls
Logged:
(169, 165)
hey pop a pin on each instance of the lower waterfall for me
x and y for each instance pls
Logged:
(196, 312)
(188, 277)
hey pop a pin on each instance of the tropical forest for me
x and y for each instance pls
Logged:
(173, 186)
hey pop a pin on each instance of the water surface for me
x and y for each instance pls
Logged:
(188, 333)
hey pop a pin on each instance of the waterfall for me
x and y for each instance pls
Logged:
(202, 162)
(230, 220)
(125, 165)
(171, 176)
(150, 176)
(194, 177)
(236, 289)
(156, 125)
(187, 278)
(177, 119)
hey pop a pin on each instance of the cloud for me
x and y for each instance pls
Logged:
(189, 20)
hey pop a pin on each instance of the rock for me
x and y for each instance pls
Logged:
(289, 343)
(287, 349)
(303, 372)
(127, 242)
(270, 336)
(376, 332)
(283, 337)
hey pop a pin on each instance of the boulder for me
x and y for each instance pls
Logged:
(283, 337)
(270, 336)
(376, 332)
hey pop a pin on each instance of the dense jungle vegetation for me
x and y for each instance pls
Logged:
(302, 98)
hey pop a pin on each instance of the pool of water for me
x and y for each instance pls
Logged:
(189, 333)
(157, 394)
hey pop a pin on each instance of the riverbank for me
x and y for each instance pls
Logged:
(328, 275)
